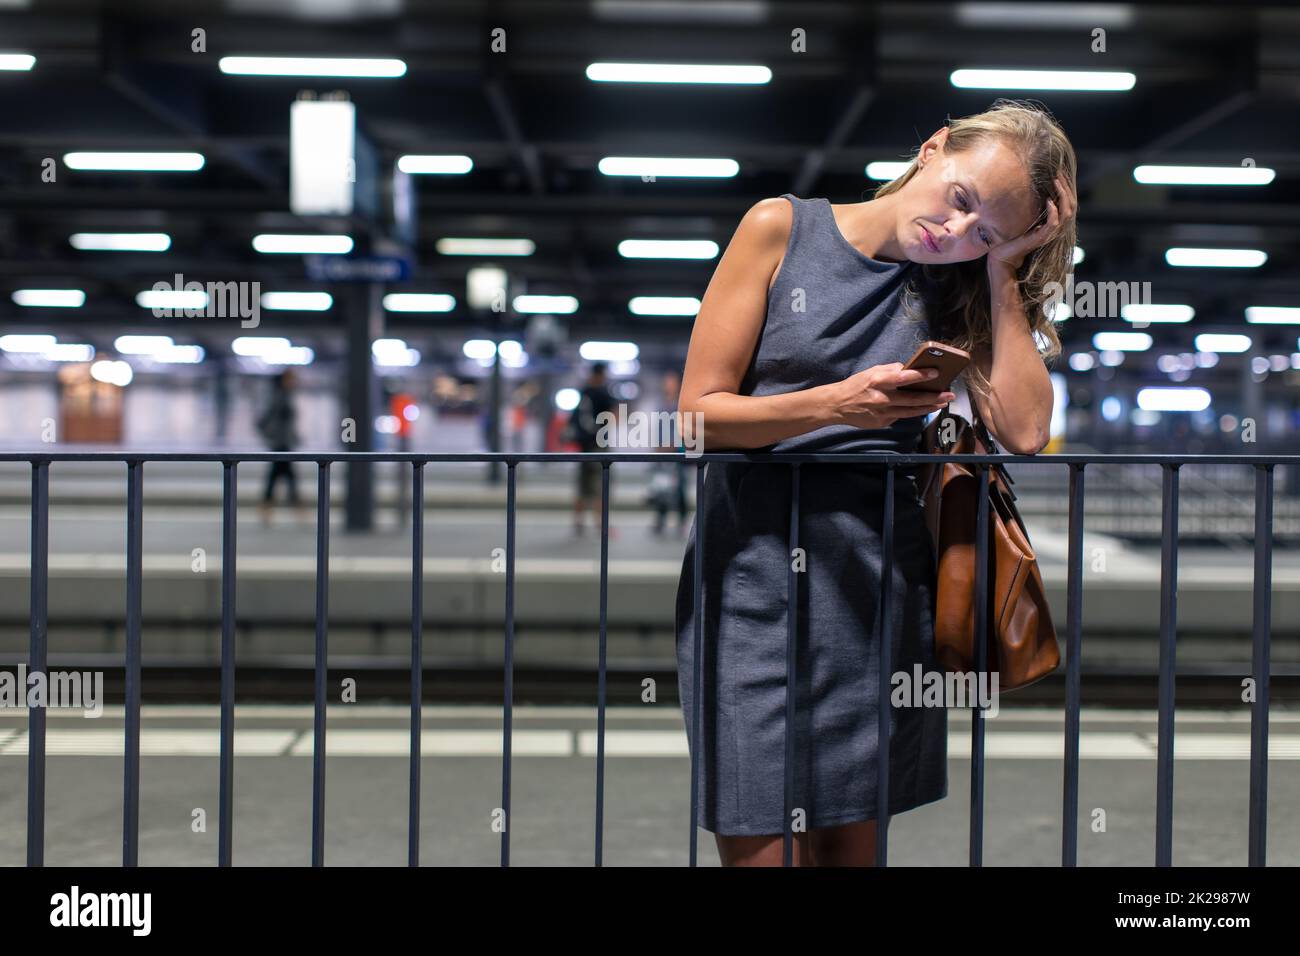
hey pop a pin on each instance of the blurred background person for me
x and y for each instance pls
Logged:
(667, 489)
(584, 427)
(521, 402)
(278, 425)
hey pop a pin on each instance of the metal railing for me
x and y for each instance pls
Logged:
(1263, 543)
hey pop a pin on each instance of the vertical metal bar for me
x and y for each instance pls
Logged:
(1260, 663)
(697, 705)
(322, 663)
(417, 653)
(39, 610)
(1073, 648)
(885, 665)
(226, 772)
(983, 473)
(131, 763)
(791, 630)
(600, 688)
(509, 662)
(1168, 626)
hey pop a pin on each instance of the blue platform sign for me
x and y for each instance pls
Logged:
(356, 269)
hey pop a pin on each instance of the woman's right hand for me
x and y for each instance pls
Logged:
(873, 398)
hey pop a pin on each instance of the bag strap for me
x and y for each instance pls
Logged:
(980, 428)
(986, 437)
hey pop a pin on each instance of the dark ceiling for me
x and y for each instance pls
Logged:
(1215, 85)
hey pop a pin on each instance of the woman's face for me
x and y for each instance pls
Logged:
(959, 205)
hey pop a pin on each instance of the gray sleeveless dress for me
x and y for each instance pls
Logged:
(833, 311)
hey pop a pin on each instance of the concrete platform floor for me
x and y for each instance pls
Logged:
(647, 797)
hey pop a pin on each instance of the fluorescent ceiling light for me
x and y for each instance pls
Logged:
(1138, 312)
(668, 249)
(50, 298)
(1204, 175)
(258, 344)
(294, 355)
(663, 305)
(1272, 315)
(480, 349)
(300, 301)
(17, 61)
(608, 351)
(272, 350)
(1078, 254)
(418, 302)
(26, 342)
(1216, 258)
(159, 348)
(677, 73)
(272, 243)
(172, 299)
(121, 241)
(142, 344)
(310, 66)
(136, 162)
(424, 165)
(394, 352)
(711, 12)
(1173, 399)
(1121, 341)
(1221, 342)
(454, 246)
(1021, 16)
(512, 354)
(68, 352)
(545, 303)
(566, 399)
(1091, 80)
(886, 170)
(178, 355)
(112, 371)
(668, 166)
(316, 10)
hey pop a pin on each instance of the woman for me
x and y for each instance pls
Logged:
(278, 424)
(798, 346)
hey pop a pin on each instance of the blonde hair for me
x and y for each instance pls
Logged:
(955, 297)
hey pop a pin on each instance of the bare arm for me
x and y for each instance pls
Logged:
(1019, 409)
(726, 333)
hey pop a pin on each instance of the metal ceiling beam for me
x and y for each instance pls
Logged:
(815, 161)
(1159, 147)
(178, 106)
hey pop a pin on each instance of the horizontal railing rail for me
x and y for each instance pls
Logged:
(135, 462)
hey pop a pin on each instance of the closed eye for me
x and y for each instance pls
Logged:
(961, 200)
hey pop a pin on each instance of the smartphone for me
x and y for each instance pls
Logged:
(947, 359)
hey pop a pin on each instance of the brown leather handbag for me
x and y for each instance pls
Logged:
(1022, 644)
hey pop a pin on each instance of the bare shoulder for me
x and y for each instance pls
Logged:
(767, 224)
(765, 230)
(774, 214)
(735, 304)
